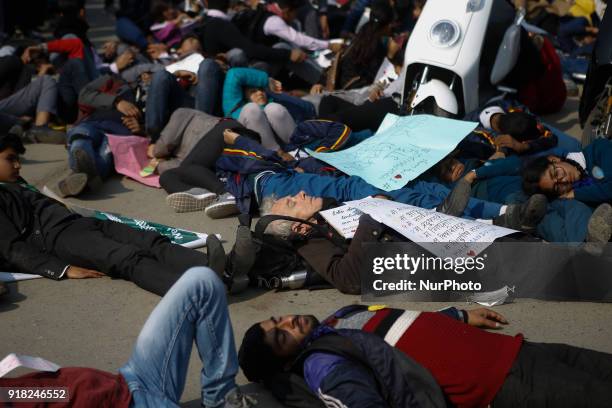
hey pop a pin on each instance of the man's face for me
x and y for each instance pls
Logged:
(285, 334)
(9, 166)
(300, 206)
(189, 46)
(558, 177)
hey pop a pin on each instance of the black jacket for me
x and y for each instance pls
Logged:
(218, 36)
(30, 223)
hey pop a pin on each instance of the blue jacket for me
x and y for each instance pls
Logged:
(598, 189)
(233, 88)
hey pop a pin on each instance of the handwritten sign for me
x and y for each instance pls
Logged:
(401, 150)
(428, 228)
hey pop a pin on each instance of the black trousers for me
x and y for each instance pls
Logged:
(557, 375)
(198, 168)
(146, 258)
(358, 117)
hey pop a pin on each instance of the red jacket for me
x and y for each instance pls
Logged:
(72, 46)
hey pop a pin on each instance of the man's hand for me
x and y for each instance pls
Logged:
(132, 124)
(26, 57)
(485, 318)
(74, 272)
(275, 85)
(229, 136)
(124, 60)
(511, 143)
(298, 55)
(324, 22)
(187, 76)
(470, 177)
(375, 94)
(336, 47)
(128, 108)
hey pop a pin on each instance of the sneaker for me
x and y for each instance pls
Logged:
(195, 199)
(72, 185)
(241, 260)
(236, 399)
(599, 229)
(44, 134)
(83, 163)
(455, 203)
(216, 254)
(223, 206)
(524, 217)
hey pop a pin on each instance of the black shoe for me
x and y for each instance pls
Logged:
(524, 217)
(72, 185)
(599, 229)
(85, 164)
(44, 134)
(216, 255)
(456, 201)
(241, 260)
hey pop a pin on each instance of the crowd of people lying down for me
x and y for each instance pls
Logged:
(230, 97)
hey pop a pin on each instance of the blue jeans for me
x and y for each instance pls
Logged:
(166, 95)
(91, 137)
(421, 194)
(195, 308)
(130, 33)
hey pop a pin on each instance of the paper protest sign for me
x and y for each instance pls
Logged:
(427, 228)
(403, 149)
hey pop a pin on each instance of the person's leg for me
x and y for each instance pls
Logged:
(164, 97)
(556, 376)
(73, 77)
(565, 221)
(254, 118)
(88, 139)
(307, 70)
(280, 120)
(186, 177)
(195, 308)
(236, 57)
(130, 33)
(39, 97)
(358, 117)
(299, 108)
(208, 89)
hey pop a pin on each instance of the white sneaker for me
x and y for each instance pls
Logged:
(195, 199)
(223, 206)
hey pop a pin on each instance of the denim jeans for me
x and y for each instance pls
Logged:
(195, 308)
(91, 137)
(165, 95)
(130, 33)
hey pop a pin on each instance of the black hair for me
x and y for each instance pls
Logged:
(532, 173)
(289, 4)
(256, 358)
(222, 5)
(368, 38)
(70, 7)
(158, 9)
(520, 125)
(251, 134)
(9, 140)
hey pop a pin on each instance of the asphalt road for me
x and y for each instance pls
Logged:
(94, 323)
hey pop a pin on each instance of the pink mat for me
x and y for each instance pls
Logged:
(130, 155)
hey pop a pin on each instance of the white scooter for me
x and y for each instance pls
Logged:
(458, 55)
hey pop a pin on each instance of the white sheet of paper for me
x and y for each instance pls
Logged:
(14, 276)
(190, 63)
(13, 361)
(343, 219)
(429, 228)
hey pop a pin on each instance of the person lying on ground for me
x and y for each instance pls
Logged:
(246, 99)
(29, 94)
(499, 180)
(41, 236)
(381, 357)
(193, 310)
